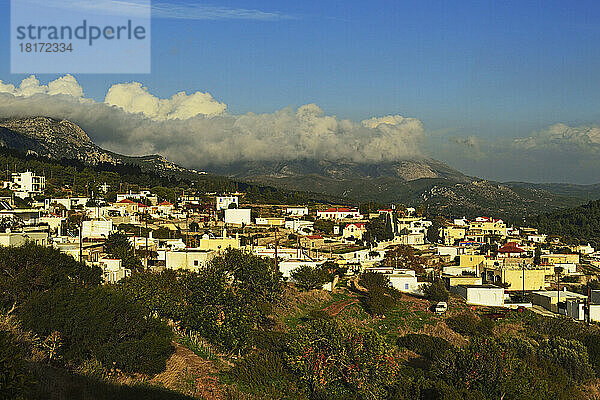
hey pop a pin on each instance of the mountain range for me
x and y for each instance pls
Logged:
(442, 189)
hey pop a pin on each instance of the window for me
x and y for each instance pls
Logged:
(406, 286)
(196, 263)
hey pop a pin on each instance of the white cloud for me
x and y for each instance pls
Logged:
(194, 129)
(134, 98)
(30, 86)
(562, 137)
(164, 9)
(205, 12)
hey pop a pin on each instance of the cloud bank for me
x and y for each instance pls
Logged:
(562, 137)
(195, 130)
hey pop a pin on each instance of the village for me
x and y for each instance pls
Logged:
(483, 260)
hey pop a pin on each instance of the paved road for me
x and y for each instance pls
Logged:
(542, 311)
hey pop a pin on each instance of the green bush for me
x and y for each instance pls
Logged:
(15, 379)
(370, 280)
(468, 324)
(571, 355)
(31, 269)
(381, 296)
(430, 347)
(592, 343)
(262, 369)
(160, 292)
(333, 360)
(101, 323)
(378, 301)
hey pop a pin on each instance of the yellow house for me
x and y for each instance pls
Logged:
(559, 258)
(535, 278)
(270, 221)
(487, 226)
(452, 234)
(470, 260)
(217, 244)
(189, 259)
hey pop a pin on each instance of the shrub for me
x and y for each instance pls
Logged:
(430, 347)
(571, 355)
(370, 280)
(160, 292)
(436, 291)
(15, 379)
(381, 296)
(469, 324)
(335, 360)
(379, 301)
(592, 343)
(31, 269)
(563, 327)
(101, 323)
(262, 369)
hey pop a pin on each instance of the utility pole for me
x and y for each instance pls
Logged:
(276, 260)
(523, 295)
(146, 252)
(588, 303)
(558, 270)
(81, 239)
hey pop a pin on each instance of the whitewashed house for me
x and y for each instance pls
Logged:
(481, 295)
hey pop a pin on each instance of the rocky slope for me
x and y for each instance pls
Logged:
(63, 139)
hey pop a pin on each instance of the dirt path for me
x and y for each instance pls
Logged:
(336, 308)
(188, 373)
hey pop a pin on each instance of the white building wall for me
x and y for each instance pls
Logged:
(237, 216)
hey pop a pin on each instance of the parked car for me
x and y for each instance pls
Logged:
(441, 307)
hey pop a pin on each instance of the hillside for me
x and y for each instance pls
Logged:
(583, 192)
(578, 225)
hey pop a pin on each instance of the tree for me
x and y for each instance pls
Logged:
(31, 269)
(308, 278)
(194, 227)
(15, 378)
(161, 293)
(324, 225)
(380, 296)
(435, 291)
(230, 298)
(379, 229)
(118, 246)
(404, 256)
(433, 232)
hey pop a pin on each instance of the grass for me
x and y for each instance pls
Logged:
(197, 345)
(407, 316)
(59, 384)
(403, 319)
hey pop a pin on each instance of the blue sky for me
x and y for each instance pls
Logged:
(494, 69)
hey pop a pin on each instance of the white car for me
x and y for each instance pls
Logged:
(441, 307)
